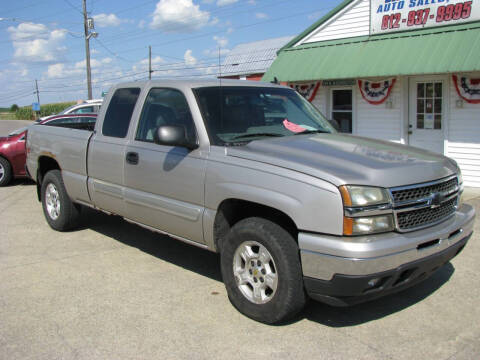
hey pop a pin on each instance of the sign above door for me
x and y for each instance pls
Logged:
(401, 15)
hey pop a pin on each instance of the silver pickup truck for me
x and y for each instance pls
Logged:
(253, 171)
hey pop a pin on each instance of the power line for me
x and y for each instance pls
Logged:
(112, 53)
(141, 33)
(73, 6)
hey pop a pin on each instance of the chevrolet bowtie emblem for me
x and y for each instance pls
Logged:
(435, 200)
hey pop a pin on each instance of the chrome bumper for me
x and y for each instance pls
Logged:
(323, 256)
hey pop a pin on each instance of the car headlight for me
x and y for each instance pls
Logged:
(368, 210)
(363, 195)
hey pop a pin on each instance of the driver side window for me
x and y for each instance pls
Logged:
(164, 107)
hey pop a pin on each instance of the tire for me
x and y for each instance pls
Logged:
(261, 270)
(5, 172)
(60, 212)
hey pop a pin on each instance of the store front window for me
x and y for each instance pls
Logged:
(342, 109)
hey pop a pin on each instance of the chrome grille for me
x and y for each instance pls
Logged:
(415, 193)
(422, 205)
(417, 218)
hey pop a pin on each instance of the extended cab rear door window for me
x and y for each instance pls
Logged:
(119, 112)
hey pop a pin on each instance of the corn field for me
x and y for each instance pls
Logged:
(26, 113)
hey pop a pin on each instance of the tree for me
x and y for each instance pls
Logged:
(14, 108)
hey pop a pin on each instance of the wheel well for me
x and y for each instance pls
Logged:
(45, 164)
(232, 211)
(5, 158)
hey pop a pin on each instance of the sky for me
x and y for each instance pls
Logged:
(43, 40)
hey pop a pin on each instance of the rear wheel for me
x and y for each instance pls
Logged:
(60, 212)
(262, 272)
(5, 172)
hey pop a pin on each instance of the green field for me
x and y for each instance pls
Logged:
(6, 115)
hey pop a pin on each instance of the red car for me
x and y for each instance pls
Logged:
(12, 147)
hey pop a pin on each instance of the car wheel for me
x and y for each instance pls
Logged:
(261, 270)
(61, 213)
(5, 172)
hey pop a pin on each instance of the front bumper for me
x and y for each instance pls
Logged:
(337, 270)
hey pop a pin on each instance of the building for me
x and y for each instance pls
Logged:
(403, 71)
(250, 61)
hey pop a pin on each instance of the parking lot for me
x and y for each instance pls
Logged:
(111, 290)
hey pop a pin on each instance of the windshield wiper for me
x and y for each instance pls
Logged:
(312, 132)
(245, 136)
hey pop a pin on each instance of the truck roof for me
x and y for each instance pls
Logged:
(195, 83)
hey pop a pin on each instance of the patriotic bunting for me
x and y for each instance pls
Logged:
(467, 88)
(376, 92)
(307, 90)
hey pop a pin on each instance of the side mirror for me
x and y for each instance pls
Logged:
(335, 124)
(173, 135)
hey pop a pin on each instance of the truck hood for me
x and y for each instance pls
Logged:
(346, 159)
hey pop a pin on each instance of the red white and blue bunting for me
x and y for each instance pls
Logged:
(467, 88)
(376, 92)
(307, 90)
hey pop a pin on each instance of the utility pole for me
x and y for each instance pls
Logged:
(87, 25)
(36, 91)
(150, 71)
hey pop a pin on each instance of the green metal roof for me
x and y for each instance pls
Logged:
(428, 51)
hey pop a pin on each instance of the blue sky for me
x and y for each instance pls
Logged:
(43, 40)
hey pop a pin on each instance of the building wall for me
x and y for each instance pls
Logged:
(463, 136)
(352, 21)
(378, 121)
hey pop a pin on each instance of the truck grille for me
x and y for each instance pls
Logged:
(422, 205)
(418, 218)
(415, 193)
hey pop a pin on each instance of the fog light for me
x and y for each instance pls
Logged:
(373, 282)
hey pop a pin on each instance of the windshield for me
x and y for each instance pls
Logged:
(65, 111)
(17, 132)
(237, 115)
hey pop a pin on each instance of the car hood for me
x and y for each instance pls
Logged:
(346, 159)
(5, 139)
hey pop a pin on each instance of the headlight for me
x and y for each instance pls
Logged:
(367, 210)
(363, 195)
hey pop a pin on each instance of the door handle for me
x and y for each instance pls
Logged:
(132, 158)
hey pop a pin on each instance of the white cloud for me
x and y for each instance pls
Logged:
(221, 41)
(61, 70)
(213, 53)
(261, 15)
(141, 24)
(107, 20)
(178, 16)
(189, 58)
(37, 43)
(225, 2)
(142, 65)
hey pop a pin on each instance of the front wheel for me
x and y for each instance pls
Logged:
(60, 212)
(262, 272)
(5, 172)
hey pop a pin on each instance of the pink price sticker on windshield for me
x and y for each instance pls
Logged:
(293, 127)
